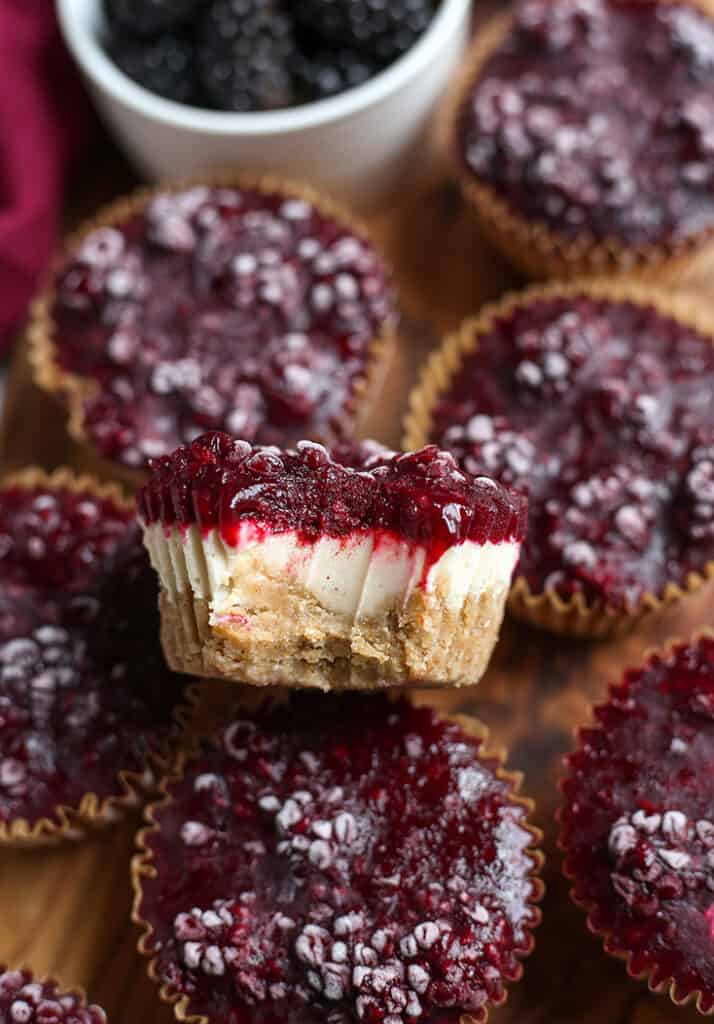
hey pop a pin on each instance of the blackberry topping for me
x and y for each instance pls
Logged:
(150, 17)
(165, 66)
(351, 862)
(324, 72)
(221, 483)
(383, 29)
(698, 489)
(245, 46)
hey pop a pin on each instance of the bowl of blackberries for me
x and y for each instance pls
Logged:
(338, 92)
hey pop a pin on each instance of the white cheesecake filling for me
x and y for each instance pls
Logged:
(357, 577)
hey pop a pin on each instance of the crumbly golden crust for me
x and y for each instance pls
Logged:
(294, 641)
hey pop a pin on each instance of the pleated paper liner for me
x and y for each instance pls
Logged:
(531, 245)
(94, 812)
(143, 865)
(658, 980)
(575, 616)
(74, 391)
(21, 994)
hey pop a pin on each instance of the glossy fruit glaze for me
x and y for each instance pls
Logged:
(342, 861)
(219, 308)
(84, 692)
(421, 496)
(601, 413)
(596, 117)
(638, 824)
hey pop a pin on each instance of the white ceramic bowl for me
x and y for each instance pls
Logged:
(358, 145)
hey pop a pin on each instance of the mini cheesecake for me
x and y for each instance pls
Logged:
(351, 570)
(582, 133)
(350, 861)
(90, 715)
(252, 307)
(594, 398)
(638, 821)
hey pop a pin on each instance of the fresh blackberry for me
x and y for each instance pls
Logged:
(165, 66)
(151, 17)
(381, 29)
(321, 73)
(244, 51)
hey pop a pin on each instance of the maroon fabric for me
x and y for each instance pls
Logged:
(44, 116)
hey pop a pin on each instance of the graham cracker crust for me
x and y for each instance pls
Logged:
(285, 637)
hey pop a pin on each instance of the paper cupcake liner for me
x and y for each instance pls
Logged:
(531, 245)
(74, 390)
(93, 812)
(55, 990)
(546, 609)
(142, 865)
(667, 986)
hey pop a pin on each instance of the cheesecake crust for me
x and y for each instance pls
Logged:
(286, 637)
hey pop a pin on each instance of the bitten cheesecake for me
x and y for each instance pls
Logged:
(357, 569)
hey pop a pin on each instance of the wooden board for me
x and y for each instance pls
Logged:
(67, 911)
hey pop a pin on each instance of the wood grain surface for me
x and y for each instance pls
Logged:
(67, 911)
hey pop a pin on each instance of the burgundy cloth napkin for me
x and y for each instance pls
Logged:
(44, 117)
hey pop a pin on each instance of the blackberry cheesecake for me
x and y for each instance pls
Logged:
(638, 822)
(356, 569)
(252, 308)
(594, 400)
(352, 860)
(25, 1000)
(89, 713)
(582, 131)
